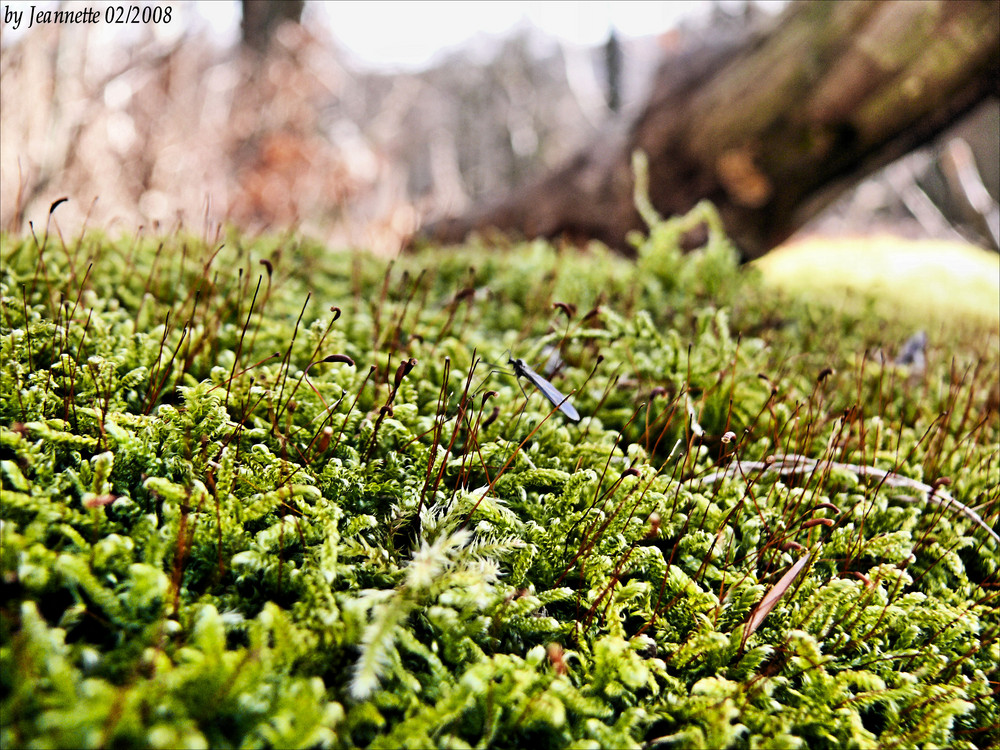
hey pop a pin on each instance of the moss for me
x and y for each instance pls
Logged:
(214, 533)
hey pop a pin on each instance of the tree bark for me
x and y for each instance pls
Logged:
(771, 126)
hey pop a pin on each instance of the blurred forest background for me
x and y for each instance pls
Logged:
(283, 130)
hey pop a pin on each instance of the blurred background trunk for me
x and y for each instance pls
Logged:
(769, 125)
(262, 18)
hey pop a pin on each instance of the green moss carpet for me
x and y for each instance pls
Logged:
(259, 493)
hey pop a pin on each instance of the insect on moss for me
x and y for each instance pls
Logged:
(523, 370)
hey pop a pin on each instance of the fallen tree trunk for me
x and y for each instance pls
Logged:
(771, 126)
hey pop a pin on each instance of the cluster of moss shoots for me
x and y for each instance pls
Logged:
(258, 493)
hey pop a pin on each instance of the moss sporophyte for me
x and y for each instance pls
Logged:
(254, 496)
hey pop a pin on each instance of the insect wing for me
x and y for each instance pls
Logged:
(548, 390)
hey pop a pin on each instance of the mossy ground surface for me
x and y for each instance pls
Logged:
(216, 533)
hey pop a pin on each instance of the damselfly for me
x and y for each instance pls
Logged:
(523, 370)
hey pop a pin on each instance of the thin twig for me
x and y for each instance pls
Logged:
(793, 463)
